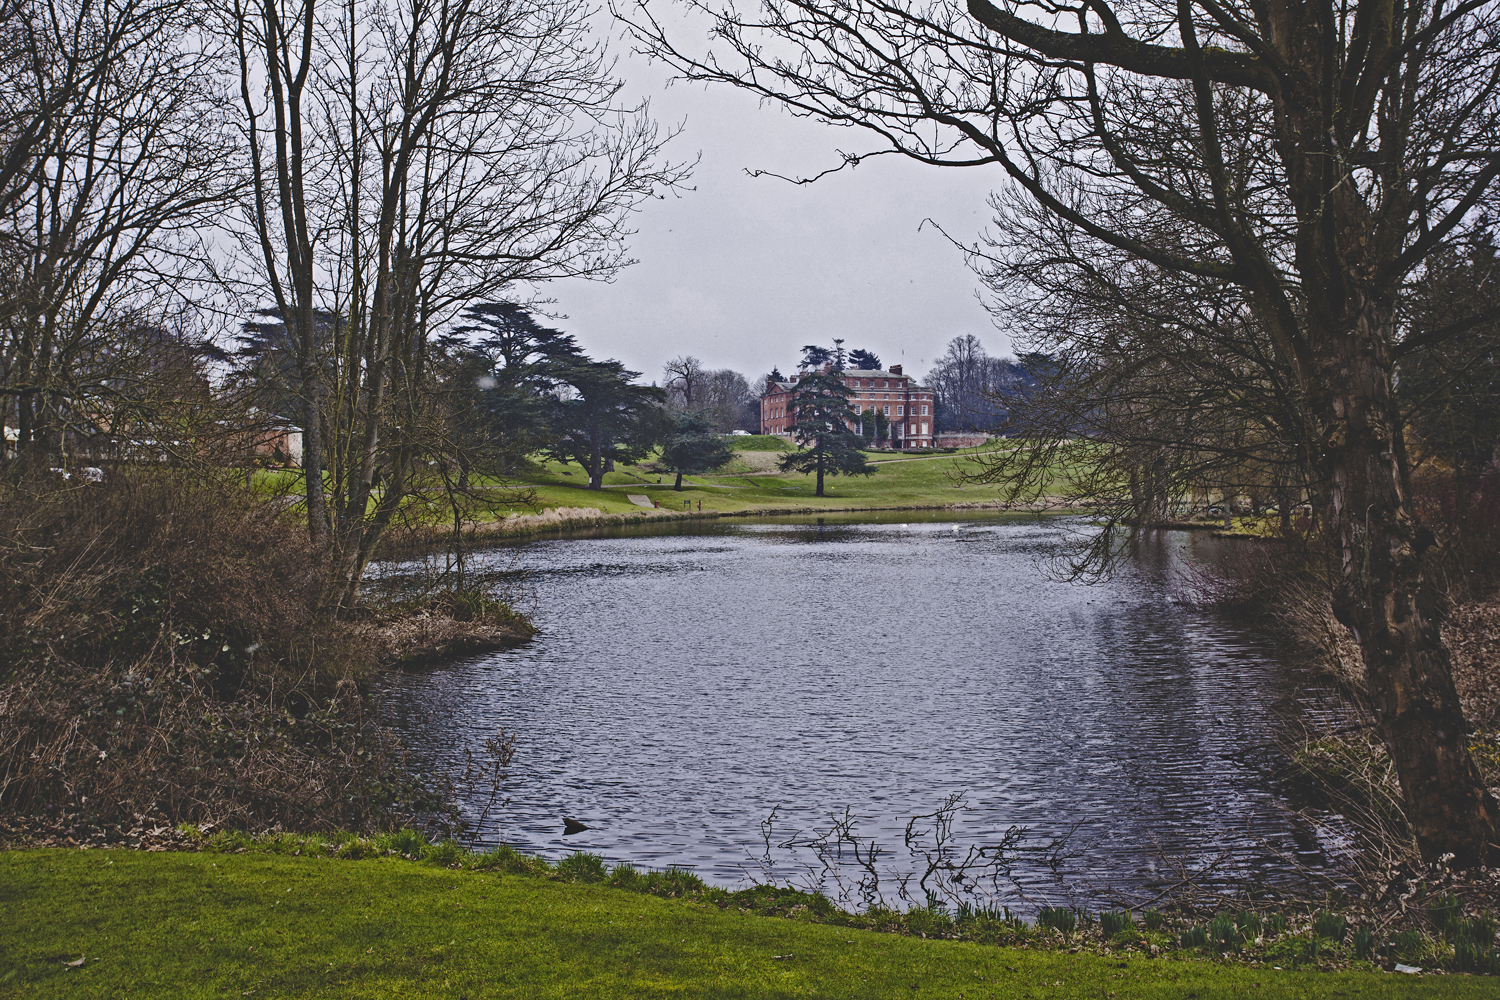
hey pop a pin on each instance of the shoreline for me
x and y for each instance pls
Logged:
(562, 520)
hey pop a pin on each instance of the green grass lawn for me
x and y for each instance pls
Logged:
(899, 481)
(100, 924)
(744, 485)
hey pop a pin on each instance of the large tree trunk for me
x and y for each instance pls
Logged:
(1346, 370)
(1370, 521)
(596, 466)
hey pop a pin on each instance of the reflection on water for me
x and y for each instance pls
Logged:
(683, 685)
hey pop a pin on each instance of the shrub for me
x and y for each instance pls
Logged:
(1113, 922)
(1275, 925)
(165, 656)
(1153, 919)
(1249, 924)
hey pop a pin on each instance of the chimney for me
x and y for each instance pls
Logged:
(895, 369)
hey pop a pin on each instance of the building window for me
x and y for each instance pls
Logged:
(900, 410)
(856, 408)
(924, 411)
(924, 426)
(887, 411)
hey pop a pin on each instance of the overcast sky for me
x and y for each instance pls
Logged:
(741, 272)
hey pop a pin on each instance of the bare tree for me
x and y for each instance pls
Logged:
(684, 383)
(1311, 158)
(113, 161)
(974, 392)
(407, 160)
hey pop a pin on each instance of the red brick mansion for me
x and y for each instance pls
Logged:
(898, 397)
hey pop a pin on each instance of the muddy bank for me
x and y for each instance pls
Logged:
(431, 636)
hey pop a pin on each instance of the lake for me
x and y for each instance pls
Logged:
(688, 681)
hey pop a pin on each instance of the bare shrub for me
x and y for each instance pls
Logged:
(166, 656)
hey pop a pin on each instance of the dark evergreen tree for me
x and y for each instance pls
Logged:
(611, 419)
(265, 363)
(691, 447)
(822, 414)
(1449, 384)
(815, 357)
(873, 426)
(863, 360)
(502, 369)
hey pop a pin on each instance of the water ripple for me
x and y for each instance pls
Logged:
(684, 685)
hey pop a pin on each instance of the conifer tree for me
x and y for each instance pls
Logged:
(822, 414)
(691, 447)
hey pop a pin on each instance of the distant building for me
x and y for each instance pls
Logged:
(898, 397)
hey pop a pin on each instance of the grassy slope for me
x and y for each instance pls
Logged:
(898, 481)
(214, 925)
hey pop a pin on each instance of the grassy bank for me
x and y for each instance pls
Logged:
(117, 923)
(748, 485)
(751, 482)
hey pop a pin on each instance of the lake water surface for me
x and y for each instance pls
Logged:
(685, 685)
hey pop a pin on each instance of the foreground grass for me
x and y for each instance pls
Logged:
(214, 925)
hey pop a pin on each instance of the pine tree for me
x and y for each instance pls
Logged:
(691, 447)
(821, 409)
